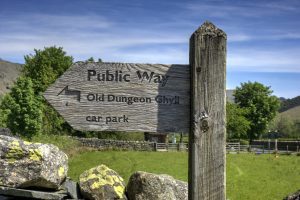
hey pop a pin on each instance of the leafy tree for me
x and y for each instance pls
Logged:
(53, 123)
(260, 104)
(46, 66)
(4, 110)
(91, 59)
(237, 124)
(23, 109)
(284, 126)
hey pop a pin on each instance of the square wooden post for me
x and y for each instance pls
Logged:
(207, 162)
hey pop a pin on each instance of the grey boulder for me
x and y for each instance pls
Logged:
(102, 183)
(24, 164)
(148, 186)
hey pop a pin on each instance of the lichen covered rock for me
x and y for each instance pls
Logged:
(148, 186)
(24, 164)
(102, 183)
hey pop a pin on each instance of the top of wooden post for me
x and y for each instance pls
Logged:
(208, 28)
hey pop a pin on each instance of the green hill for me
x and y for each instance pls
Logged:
(9, 72)
(292, 113)
(287, 104)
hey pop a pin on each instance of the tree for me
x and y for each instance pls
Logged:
(46, 66)
(91, 59)
(260, 104)
(237, 124)
(4, 110)
(23, 109)
(285, 126)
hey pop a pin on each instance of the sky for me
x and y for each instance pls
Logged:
(263, 36)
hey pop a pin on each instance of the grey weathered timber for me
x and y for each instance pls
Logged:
(207, 135)
(123, 97)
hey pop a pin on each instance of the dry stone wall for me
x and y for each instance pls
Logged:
(104, 144)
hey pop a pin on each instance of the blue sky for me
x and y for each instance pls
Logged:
(263, 36)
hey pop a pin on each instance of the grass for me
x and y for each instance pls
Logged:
(249, 176)
(127, 162)
(64, 143)
(262, 177)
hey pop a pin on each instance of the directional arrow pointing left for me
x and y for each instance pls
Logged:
(67, 91)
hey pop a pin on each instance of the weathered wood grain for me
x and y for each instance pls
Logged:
(207, 135)
(71, 95)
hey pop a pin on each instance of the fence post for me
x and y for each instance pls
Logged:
(207, 132)
(276, 146)
(269, 145)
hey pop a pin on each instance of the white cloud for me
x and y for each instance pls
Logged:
(36, 21)
(276, 60)
(222, 9)
(78, 36)
(97, 36)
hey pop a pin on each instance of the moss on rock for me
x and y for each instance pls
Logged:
(102, 182)
(24, 164)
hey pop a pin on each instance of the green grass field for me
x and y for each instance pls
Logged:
(249, 176)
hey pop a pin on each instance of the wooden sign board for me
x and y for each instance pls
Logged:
(101, 96)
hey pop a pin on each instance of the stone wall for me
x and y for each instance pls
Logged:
(104, 144)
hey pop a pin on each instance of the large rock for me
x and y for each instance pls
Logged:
(24, 164)
(148, 186)
(6, 131)
(295, 196)
(102, 183)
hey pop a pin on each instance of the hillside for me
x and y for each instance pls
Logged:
(8, 74)
(287, 104)
(292, 113)
(229, 96)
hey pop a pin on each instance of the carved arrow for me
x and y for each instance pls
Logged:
(67, 91)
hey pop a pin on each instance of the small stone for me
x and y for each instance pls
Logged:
(148, 186)
(102, 183)
(72, 188)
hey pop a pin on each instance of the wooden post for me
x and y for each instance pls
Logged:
(269, 145)
(276, 149)
(207, 135)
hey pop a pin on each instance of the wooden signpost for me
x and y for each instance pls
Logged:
(158, 98)
(123, 97)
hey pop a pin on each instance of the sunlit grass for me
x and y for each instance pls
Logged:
(249, 176)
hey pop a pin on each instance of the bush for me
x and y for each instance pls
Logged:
(244, 142)
(22, 109)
